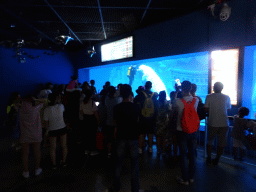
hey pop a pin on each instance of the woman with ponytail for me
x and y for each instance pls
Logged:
(56, 127)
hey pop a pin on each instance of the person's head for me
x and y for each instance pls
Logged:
(186, 87)
(193, 90)
(148, 85)
(126, 91)
(49, 86)
(107, 84)
(14, 96)
(173, 96)
(217, 88)
(86, 85)
(92, 82)
(74, 77)
(78, 85)
(119, 86)
(140, 88)
(53, 98)
(61, 88)
(243, 111)
(111, 91)
(179, 95)
(162, 96)
(88, 95)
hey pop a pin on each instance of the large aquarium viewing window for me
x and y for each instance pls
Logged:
(161, 71)
(249, 81)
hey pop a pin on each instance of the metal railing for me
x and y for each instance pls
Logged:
(249, 155)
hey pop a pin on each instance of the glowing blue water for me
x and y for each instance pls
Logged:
(161, 71)
(150, 75)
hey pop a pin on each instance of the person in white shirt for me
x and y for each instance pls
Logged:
(217, 106)
(186, 142)
(110, 102)
(56, 127)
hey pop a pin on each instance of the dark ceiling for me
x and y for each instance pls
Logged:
(39, 22)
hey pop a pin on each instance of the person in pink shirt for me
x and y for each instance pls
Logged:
(30, 132)
(72, 84)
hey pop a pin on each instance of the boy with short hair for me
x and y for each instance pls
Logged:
(126, 116)
(186, 141)
(237, 132)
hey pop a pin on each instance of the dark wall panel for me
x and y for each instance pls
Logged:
(26, 77)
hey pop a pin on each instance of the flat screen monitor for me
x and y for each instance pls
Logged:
(119, 49)
(224, 69)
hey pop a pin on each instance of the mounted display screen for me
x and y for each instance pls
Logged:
(119, 49)
(224, 66)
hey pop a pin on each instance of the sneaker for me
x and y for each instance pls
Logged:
(54, 167)
(208, 161)
(63, 164)
(79, 142)
(140, 151)
(94, 153)
(191, 181)
(150, 150)
(38, 171)
(25, 174)
(18, 148)
(181, 181)
(215, 161)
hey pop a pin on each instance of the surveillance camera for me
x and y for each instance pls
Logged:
(225, 12)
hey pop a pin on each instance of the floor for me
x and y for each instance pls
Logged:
(95, 173)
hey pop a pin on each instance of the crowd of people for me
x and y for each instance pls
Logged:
(124, 119)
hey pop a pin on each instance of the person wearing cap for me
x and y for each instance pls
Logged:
(46, 91)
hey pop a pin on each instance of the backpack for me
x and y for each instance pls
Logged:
(148, 107)
(190, 121)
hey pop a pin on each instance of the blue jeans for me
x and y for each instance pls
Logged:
(187, 145)
(133, 147)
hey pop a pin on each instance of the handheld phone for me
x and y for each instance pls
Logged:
(178, 82)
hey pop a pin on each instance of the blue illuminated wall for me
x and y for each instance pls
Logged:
(161, 71)
(249, 80)
(26, 77)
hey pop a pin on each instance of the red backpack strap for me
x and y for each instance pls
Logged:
(184, 102)
(194, 101)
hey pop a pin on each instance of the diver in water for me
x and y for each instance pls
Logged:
(131, 73)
